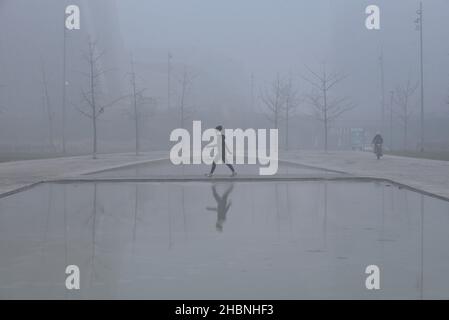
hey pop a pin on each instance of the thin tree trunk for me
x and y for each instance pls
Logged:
(182, 98)
(136, 118)
(136, 113)
(286, 128)
(47, 106)
(94, 109)
(405, 134)
(287, 115)
(325, 117)
(64, 88)
(137, 131)
(94, 153)
(276, 103)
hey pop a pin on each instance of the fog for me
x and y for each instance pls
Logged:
(225, 55)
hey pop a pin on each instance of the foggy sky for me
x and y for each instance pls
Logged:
(224, 42)
(267, 36)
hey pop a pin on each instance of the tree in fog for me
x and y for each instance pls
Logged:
(46, 103)
(447, 99)
(136, 94)
(325, 107)
(2, 107)
(138, 101)
(274, 98)
(403, 95)
(186, 82)
(292, 101)
(92, 97)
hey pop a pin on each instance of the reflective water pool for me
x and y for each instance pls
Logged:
(238, 240)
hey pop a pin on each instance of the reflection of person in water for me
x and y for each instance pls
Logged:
(222, 206)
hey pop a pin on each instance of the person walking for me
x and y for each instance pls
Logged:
(221, 149)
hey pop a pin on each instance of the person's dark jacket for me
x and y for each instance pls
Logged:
(378, 139)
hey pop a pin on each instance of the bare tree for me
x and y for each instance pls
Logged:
(92, 96)
(402, 97)
(274, 98)
(447, 99)
(138, 101)
(326, 109)
(292, 101)
(2, 106)
(47, 105)
(186, 82)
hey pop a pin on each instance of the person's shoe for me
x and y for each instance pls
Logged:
(233, 174)
(208, 175)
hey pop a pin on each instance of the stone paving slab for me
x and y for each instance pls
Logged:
(429, 176)
(19, 175)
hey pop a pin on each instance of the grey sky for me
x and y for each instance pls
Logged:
(270, 36)
(223, 42)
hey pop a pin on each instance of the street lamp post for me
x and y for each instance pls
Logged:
(391, 119)
(168, 79)
(252, 92)
(382, 87)
(419, 26)
(64, 84)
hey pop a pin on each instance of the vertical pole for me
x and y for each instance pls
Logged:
(183, 93)
(391, 119)
(168, 80)
(324, 87)
(92, 92)
(421, 285)
(287, 108)
(252, 92)
(422, 74)
(64, 83)
(382, 86)
(277, 107)
(136, 113)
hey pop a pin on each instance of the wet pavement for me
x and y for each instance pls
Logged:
(227, 240)
(164, 169)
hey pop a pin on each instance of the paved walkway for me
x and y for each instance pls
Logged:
(430, 176)
(18, 175)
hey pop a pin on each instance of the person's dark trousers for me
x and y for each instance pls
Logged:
(214, 165)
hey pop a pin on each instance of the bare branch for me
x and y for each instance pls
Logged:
(337, 79)
(83, 113)
(115, 101)
(317, 86)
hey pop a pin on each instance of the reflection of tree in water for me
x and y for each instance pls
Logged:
(170, 239)
(183, 207)
(321, 208)
(97, 209)
(278, 218)
(283, 207)
(66, 248)
(325, 216)
(44, 242)
(136, 210)
(94, 222)
(289, 211)
(421, 276)
(223, 205)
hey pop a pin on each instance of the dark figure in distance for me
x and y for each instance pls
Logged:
(377, 142)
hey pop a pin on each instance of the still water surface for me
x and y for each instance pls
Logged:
(264, 240)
